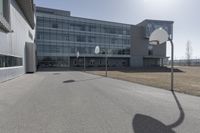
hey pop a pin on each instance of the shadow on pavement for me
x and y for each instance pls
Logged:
(146, 124)
(56, 73)
(71, 81)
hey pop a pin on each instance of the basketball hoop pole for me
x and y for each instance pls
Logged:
(106, 61)
(172, 64)
(158, 37)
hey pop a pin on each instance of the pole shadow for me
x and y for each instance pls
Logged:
(146, 124)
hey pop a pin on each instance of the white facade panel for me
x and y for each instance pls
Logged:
(13, 43)
(10, 73)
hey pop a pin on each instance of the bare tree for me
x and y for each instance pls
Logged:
(188, 53)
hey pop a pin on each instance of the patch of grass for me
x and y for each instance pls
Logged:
(186, 79)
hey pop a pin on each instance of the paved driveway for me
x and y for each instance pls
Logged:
(76, 102)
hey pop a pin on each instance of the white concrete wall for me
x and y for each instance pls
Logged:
(10, 73)
(14, 43)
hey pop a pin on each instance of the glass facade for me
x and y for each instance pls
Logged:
(60, 37)
(10, 61)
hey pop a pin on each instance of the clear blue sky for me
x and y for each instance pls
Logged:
(185, 14)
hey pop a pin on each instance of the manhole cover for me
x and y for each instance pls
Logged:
(69, 81)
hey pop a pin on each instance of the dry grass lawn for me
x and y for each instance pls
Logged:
(187, 80)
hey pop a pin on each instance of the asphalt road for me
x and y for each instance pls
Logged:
(76, 102)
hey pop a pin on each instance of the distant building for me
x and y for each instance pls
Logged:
(17, 33)
(60, 36)
(184, 62)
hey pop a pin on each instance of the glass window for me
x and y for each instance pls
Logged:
(1, 7)
(53, 36)
(40, 21)
(65, 25)
(59, 36)
(47, 22)
(82, 27)
(71, 36)
(38, 36)
(92, 28)
(54, 25)
(150, 52)
(5, 13)
(81, 38)
(2, 61)
(10, 61)
(46, 35)
(91, 39)
(113, 40)
(59, 23)
(66, 37)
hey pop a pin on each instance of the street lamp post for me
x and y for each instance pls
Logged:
(106, 63)
(160, 36)
(77, 56)
(84, 64)
(97, 51)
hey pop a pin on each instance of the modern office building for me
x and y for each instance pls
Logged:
(60, 36)
(17, 33)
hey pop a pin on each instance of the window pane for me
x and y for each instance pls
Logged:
(1, 7)
(10, 61)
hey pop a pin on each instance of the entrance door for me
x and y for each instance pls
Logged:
(151, 62)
